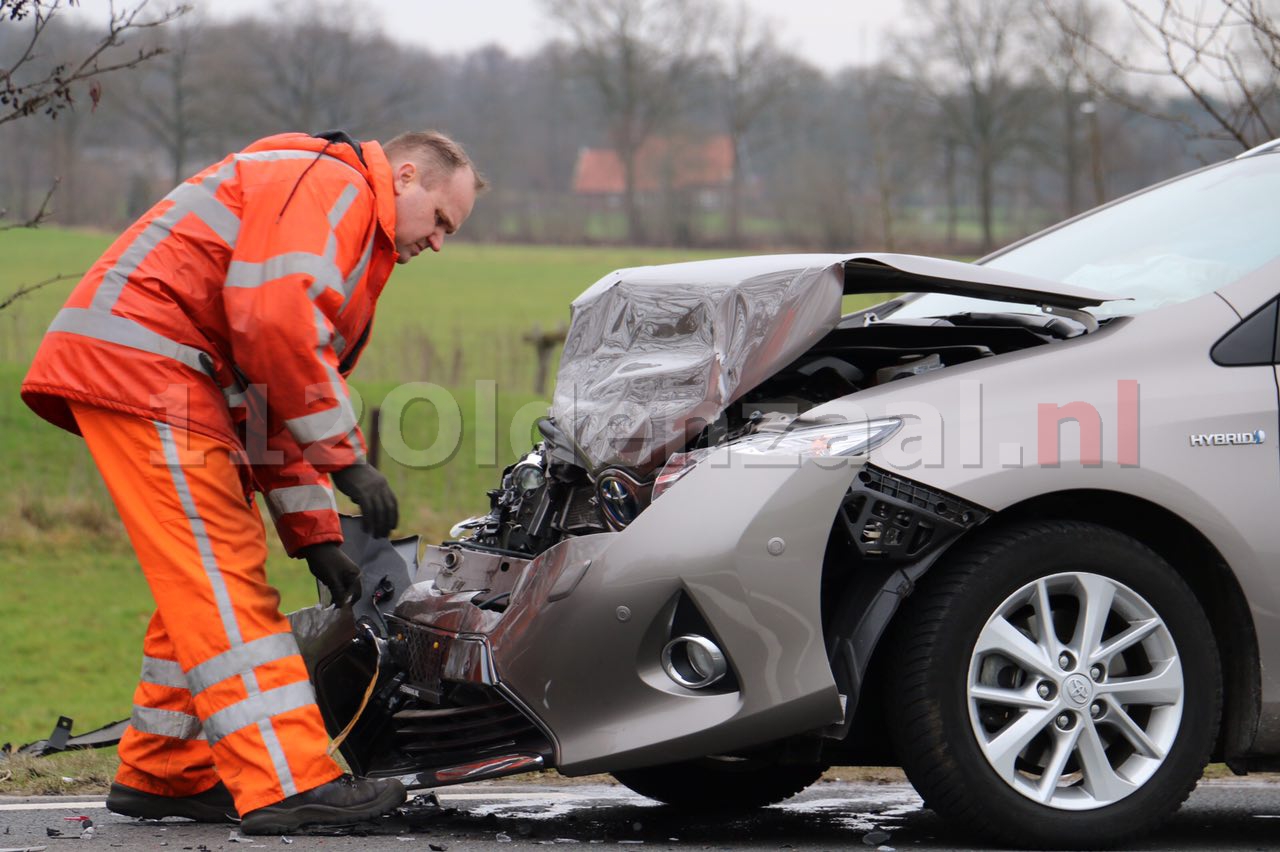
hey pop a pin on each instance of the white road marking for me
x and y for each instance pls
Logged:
(444, 797)
(53, 806)
(464, 797)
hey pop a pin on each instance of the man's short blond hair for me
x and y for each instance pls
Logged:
(434, 153)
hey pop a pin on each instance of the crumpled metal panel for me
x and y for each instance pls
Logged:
(393, 562)
(321, 631)
(388, 568)
(655, 353)
(61, 740)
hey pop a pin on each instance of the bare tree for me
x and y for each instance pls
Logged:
(168, 98)
(314, 66)
(636, 53)
(501, 82)
(33, 83)
(949, 140)
(37, 218)
(894, 128)
(30, 83)
(1072, 140)
(967, 60)
(28, 289)
(756, 74)
(1223, 54)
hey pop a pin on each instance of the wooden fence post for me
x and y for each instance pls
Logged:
(375, 435)
(544, 344)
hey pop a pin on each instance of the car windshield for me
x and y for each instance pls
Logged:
(1175, 242)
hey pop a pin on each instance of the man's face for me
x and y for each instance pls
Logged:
(424, 217)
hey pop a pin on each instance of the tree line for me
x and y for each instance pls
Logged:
(991, 118)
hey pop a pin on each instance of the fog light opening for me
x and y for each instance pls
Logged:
(693, 661)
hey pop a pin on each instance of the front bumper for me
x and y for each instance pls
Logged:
(736, 546)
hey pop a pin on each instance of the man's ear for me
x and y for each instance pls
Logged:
(405, 174)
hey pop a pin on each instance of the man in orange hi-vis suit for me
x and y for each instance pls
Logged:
(204, 357)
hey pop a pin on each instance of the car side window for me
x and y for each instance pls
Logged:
(1254, 342)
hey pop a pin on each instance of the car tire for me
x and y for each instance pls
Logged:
(1117, 744)
(720, 784)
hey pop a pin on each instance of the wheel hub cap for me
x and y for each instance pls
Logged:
(1078, 689)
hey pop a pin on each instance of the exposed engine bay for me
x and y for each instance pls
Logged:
(549, 494)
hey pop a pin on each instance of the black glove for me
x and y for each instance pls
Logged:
(369, 489)
(336, 570)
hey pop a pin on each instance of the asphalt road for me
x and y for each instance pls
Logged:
(838, 815)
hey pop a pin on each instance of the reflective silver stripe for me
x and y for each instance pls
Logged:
(349, 412)
(335, 380)
(187, 199)
(302, 498)
(349, 286)
(99, 325)
(207, 560)
(280, 154)
(225, 611)
(335, 422)
(198, 198)
(258, 708)
(165, 723)
(235, 398)
(163, 673)
(278, 760)
(325, 272)
(269, 738)
(115, 278)
(339, 208)
(241, 659)
(290, 154)
(336, 214)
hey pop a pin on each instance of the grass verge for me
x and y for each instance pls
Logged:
(81, 772)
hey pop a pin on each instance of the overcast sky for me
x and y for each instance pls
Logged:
(829, 33)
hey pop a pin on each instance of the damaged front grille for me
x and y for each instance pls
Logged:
(470, 730)
(422, 653)
(448, 711)
(889, 517)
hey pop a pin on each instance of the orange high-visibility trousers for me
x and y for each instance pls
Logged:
(223, 693)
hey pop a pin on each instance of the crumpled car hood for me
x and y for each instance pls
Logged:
(654, 353)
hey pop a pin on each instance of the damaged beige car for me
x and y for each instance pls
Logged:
(1013, 532)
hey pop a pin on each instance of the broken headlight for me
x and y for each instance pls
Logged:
(827, 440)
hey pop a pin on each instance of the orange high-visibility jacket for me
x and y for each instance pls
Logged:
(254, 281)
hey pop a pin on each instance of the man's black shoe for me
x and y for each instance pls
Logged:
(213, 805)
(344, 801)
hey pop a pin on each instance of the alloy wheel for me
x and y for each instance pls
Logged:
(1075, 691)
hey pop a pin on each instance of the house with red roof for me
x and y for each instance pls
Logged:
(664, 165)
